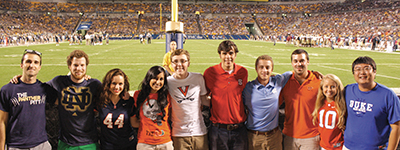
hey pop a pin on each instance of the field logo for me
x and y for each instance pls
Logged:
(76, 99)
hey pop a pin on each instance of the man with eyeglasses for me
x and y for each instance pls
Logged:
(373, 110)
(189, 93)
(22, 108)
(225, 83)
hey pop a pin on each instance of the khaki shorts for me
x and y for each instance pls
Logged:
(165, 146)
(290, 143)
(191, 142)
(270, 141)
(44, 146)
(345, 148)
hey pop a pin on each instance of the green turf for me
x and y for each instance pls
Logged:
(135, 59)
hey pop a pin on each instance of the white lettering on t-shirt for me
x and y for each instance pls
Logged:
(369, 107)
(33, 100)
(360, 106)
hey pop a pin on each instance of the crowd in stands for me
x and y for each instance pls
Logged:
(239, 28)
(214, 26)
(350, 18)
(221, 8)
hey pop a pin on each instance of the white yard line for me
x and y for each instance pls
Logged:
(348, 70)
(107, 50)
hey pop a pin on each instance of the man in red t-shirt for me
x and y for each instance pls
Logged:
(299, 95)
(225, 83)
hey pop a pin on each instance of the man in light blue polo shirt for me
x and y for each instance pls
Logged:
(261, 98)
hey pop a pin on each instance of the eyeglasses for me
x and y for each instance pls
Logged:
(359, 69)
(32, 51)
(182, 61)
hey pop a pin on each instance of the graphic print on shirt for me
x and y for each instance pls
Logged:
(33, 100)
(184, 93)
(157, 132)
(76, 99)
(360, 107)
(151, 110)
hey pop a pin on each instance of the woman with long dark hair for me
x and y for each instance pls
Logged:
(153, 103)
(115, 113)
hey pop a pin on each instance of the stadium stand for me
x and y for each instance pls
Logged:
(351, 18)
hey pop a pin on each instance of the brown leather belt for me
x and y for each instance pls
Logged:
(229, 126)
(265, 133)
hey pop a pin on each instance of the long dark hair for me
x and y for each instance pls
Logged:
(105, 95)
(145, 90)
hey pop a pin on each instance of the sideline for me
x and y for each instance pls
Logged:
(27, 45)
(336, 47)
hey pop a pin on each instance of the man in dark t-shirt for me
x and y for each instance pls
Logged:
(22, 108)
(76, 102)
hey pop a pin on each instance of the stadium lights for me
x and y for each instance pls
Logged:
(140, 13)
(254, 16)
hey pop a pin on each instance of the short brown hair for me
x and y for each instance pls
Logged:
(226, 46)
(265, 57)
(27, 51)
(299, 51)
(77, 54)
(180, 52)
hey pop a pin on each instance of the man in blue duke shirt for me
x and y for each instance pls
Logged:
(261, 98)
(373, 111)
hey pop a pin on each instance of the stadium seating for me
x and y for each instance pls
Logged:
(338, 19)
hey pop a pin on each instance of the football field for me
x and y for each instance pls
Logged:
(135, 59)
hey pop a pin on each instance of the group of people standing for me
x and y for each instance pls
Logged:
(145, 37)
(166, 111)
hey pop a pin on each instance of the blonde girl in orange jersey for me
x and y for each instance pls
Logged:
(329, 113)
